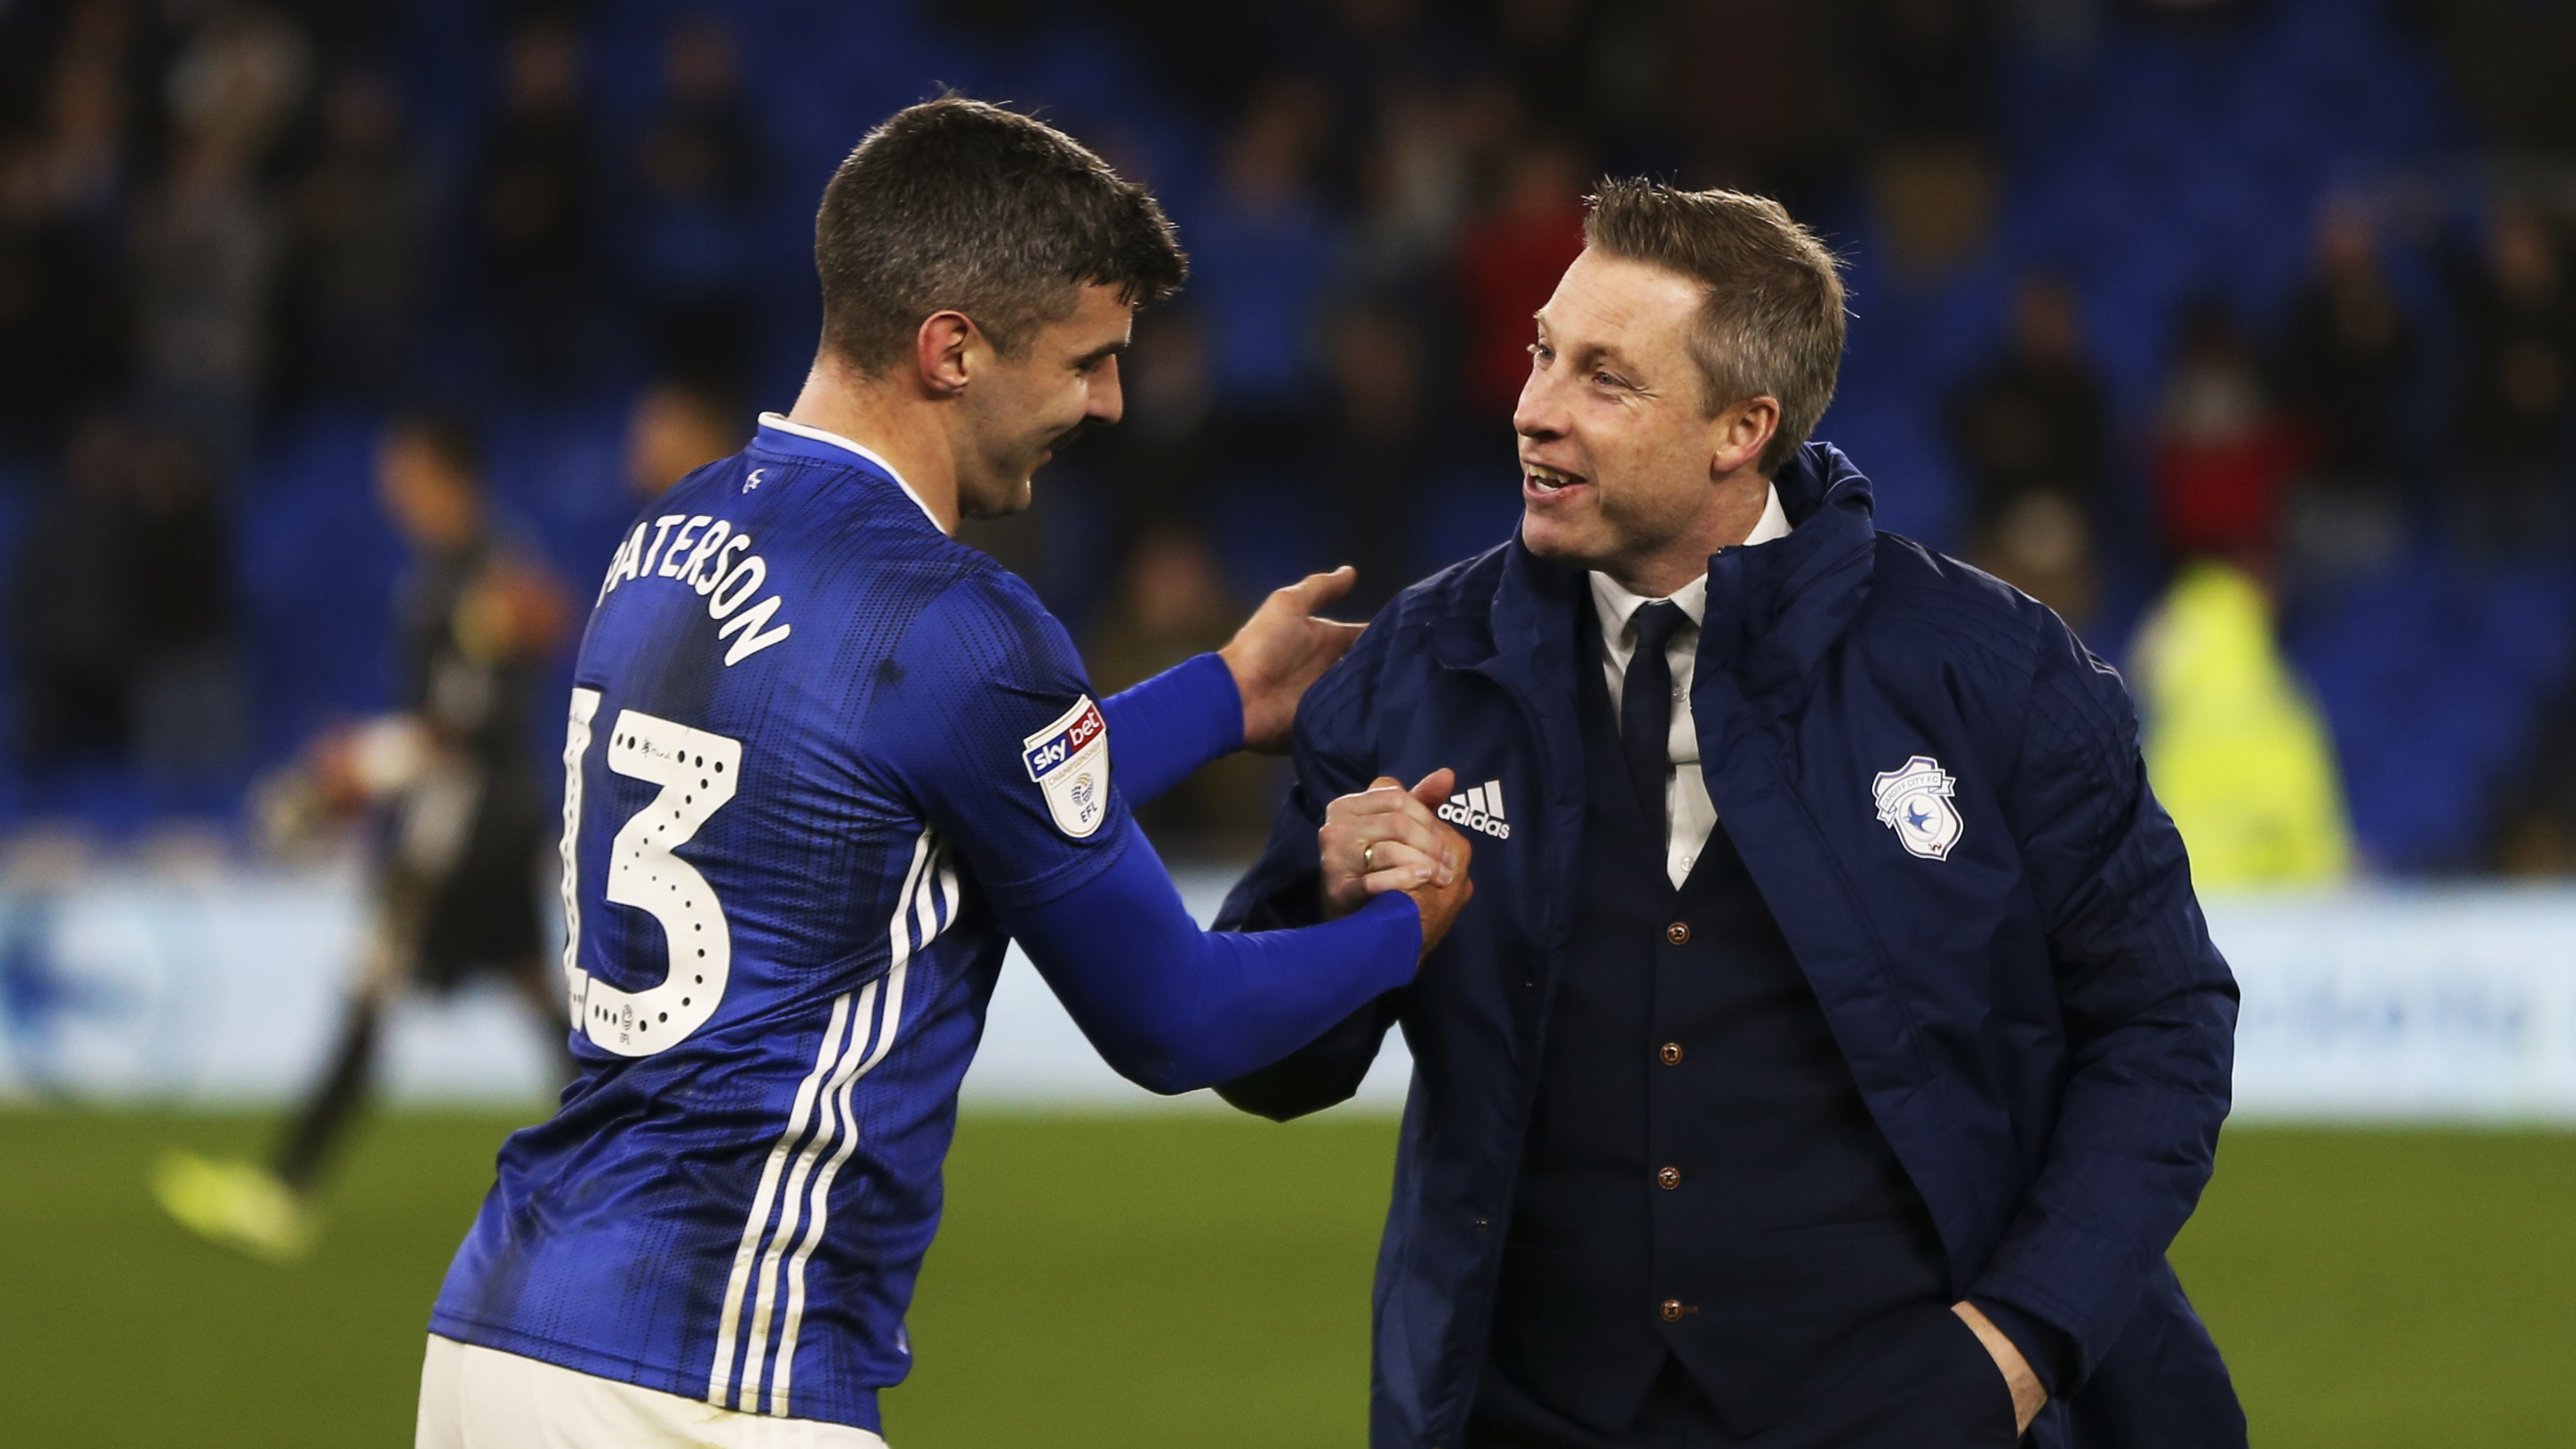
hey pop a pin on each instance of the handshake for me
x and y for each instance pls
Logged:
(1387, 838)
(1384, 838)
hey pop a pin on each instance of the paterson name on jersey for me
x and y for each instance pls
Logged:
(714, 560)
(814, 750)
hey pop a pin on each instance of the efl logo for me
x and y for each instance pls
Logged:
(1479, 809)
(1069, 760)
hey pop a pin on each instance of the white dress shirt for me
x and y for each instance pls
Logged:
(1689, 815)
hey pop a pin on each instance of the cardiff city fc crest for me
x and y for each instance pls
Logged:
(1914, 801)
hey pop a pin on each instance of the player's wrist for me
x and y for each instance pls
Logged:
(1227, 696)
(1341, 899)
(1249, 691)
(1400, 913)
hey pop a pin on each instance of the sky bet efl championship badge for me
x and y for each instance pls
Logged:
(1070, 761)
(1914, 801)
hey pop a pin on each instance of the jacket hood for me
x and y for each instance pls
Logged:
(1774, 609)
(1819, 476)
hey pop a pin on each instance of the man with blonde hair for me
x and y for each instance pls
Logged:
(1834, 1045)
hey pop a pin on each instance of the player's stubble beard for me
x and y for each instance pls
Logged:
(1007, 486)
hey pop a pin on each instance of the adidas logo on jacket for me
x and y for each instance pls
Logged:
(1479, 809)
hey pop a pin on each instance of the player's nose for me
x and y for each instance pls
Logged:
(1108, 400)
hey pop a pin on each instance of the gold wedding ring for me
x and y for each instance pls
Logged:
(1368, 859)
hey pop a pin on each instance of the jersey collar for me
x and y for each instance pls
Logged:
(798, 440)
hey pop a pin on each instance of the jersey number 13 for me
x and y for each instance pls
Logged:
(698, 773)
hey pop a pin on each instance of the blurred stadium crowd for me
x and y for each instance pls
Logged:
(2242, 331)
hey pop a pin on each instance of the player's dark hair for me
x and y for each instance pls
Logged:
(451, 438)
(955, 204)
(1770, 321)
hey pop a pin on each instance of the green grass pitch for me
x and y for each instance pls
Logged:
(1198, 1280)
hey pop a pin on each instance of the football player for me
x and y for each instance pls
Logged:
(822, 763)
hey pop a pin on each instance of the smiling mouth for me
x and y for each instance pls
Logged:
(1538, 481)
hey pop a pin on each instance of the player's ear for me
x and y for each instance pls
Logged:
(939, 352)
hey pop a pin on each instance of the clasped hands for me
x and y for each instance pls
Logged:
(1387, 838)
(1384, 838)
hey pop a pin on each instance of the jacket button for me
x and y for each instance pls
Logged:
(1678, 933)
(1670, 1177)
(1671, 1054)
(1672, 1310)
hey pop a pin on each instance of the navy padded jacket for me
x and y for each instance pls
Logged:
(2038, 1020)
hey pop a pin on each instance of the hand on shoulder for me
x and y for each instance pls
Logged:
(1283, 648)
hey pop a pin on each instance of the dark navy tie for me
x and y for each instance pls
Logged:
(1646, 706)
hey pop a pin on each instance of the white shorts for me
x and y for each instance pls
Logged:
(482, 1398)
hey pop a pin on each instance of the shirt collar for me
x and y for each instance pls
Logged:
(805, 440)
(1617, 606)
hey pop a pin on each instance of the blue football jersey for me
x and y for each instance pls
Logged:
(814, 744)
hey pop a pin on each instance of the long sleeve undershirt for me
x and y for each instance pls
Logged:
(1168, 726)
(1173, 1007)
(1168, 1005)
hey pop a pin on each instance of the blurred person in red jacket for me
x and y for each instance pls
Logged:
(1508, 260)
(2224, 456)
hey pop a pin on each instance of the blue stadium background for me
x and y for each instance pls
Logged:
(2155, 157)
